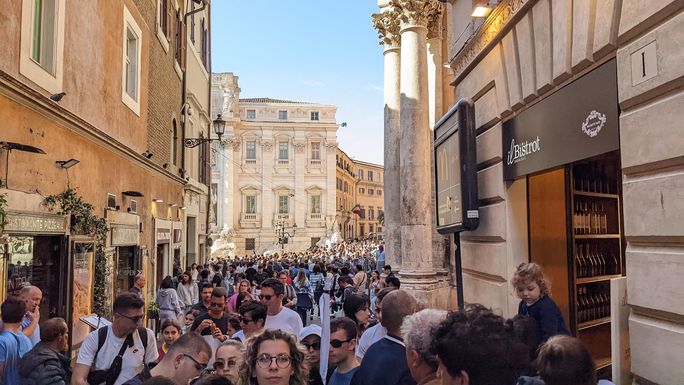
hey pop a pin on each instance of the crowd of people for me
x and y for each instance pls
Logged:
(254, 321)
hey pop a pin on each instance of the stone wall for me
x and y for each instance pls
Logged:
(528, 50)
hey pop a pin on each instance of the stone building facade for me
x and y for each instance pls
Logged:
(522, 55)
(345, 183)
(84, 103)
(277, 169)
(370, 198)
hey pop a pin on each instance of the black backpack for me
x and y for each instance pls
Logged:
(109, 376)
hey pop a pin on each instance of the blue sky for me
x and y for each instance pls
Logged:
(320, 51)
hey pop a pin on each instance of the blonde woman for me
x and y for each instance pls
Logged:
(273, 358)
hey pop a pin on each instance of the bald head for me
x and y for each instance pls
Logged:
(32, 295)
(396, 305)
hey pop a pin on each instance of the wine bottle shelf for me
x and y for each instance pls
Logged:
(599, 278)
(593, 323)
(597, 236)
(595, 195)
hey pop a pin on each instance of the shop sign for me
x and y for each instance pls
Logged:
(124, 236)
(456, 169)
(20, 222)
(577, 122)
(163, 235)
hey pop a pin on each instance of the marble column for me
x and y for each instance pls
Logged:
(387, 24)
(415, 175)
(435, 111)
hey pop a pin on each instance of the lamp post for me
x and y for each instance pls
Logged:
(283, 236)
(219, 130)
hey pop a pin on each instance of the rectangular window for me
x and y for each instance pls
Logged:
(179, 39)
(370, 175)
(250, 204)
(251, 149)
(361, 191)
(204, 41)
(314, 115)
(360, 174)
(315, 204)
(192, 23)
(379, 192)
(282, 115)
(251, 114)
(44, 25)
(283, 204)
(346, 187)
(371, 191)
(283, 153)
(371, 213)
(250, 244)
(132, 56)
(316, 150)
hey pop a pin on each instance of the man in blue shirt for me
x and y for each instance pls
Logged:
(13, 343)
(342, 354)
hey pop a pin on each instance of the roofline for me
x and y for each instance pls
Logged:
(360, 161)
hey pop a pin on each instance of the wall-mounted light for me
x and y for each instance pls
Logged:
(158, 200)
(131, 193)
(484, 8)
(173, 204)
(67, 163)
(183, 208)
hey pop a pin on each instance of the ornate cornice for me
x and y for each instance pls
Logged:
(414, 13)
(493, 30)
(387, 24)
(435, 28)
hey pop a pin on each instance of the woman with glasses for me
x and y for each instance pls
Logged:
(228, 359)
(273, 358)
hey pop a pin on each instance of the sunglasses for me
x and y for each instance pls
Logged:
(198, 365)
(265, 297)
(135, 319)
(220, 364)
(337, 343)
(314, 346)
(245, 320)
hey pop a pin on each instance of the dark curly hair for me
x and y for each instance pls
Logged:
(482, 344)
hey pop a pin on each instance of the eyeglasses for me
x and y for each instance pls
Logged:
(337, 343)
(265, 297)
(314, 346)
(282, 361)
(135, 319)
(198, 365)
(245, 320)
(220, 364)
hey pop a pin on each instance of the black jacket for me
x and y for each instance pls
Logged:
(44, 366)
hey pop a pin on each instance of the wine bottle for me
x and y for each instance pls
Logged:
(580, 261)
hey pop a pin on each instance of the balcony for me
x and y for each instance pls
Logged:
(283, 162)
(315, 220)
(250, 161)
(315, 162)
(250, 220)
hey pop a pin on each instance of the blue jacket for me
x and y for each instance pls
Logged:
(547, 315)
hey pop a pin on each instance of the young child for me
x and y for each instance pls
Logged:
(533, 290)
(171, 330)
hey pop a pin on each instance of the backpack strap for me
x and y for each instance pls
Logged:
(142, 333)
(101, 338)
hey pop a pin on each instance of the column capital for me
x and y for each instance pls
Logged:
(417, 13)
(388, 26)
(435, 27)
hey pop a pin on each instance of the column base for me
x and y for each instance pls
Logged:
(431, 290)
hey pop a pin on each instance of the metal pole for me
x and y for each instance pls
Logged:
(459, 271)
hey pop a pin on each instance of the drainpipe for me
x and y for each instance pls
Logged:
(206, 243)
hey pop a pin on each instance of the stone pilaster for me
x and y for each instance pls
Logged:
(387, 24)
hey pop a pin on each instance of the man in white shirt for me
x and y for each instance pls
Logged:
(125, 328)
(277, 316)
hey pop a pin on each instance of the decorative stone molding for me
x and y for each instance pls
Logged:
(387, 24)
(299, 146)
(236, 145)
(435, 28)
(331, 145)
(267, 145)
(419, 13)
(490, 33)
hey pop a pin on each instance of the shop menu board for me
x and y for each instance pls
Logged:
(456, 169)
(82, 254)
(448, 184)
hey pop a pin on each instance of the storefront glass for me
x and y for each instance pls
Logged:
(128, 264)
(83, 257)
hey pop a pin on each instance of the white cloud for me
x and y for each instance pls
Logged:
(313, 83)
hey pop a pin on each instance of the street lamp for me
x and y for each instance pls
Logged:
(219, 130)
(283, 236)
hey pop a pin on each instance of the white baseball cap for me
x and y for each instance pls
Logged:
(309, 330)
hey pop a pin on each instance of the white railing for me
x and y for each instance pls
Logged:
(283, 161)
(315, 162)
(250, 161)
(249, 217)
(315, 216)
